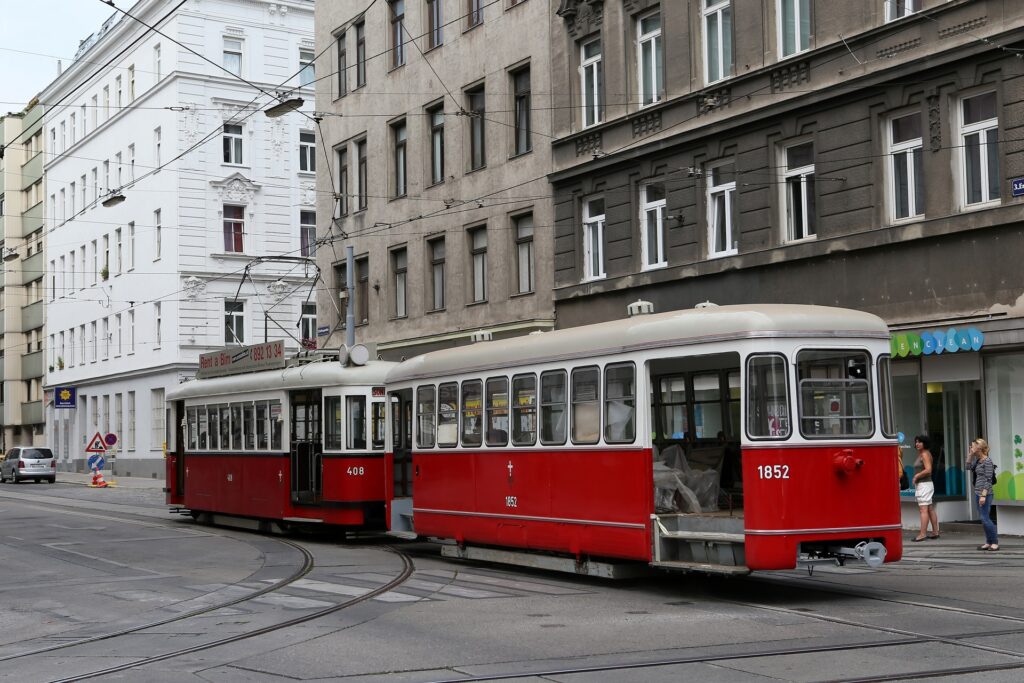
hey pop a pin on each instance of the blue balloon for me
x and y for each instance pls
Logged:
(977, 338)
(927, 344)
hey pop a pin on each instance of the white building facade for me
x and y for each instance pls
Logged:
(137, 289)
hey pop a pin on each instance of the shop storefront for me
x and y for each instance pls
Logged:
(955, 384)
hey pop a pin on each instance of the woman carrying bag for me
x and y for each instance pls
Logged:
(984, 472)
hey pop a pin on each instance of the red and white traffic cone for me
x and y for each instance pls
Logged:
(97, 479)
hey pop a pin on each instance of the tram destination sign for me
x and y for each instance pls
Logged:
(236, 360)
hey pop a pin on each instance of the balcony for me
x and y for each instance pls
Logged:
(32, 316)
(32, 413)
(32, 220)
(32, 365)
(32, 170)
(31, 268)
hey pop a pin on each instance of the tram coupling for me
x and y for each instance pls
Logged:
(871, 553)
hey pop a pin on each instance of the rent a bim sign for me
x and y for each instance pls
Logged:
(240, 359)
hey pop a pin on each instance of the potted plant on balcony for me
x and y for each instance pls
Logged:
(60, 363)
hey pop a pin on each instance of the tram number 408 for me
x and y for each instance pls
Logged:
(355, 471)
(773, 471)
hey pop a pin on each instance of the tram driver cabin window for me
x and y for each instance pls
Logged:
(834, 393)
(767, 397)
(356, 411)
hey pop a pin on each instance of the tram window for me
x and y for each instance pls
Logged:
(332, 423)
(885, 394)
(497, 411)
(472, 427)
(707, 406)
(552, 407)
(834, 393)
(524, 410)
(275, 425)
(192, 420)
(448, 414)
(355, 408)
(586, 405)
(262, 423)
(204, 429)
(767, 397)
(734, 404)
(225, 428)
(675, 420)
(620, 403)
(236, 426)
(250, 426)
(378, 425)
(426, 411)
(214, 428)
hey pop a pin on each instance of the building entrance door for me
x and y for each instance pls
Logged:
(954, 420)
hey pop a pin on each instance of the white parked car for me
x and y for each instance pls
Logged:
(23, 463)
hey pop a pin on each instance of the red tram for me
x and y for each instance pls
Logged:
(299, 445)
(721, 439)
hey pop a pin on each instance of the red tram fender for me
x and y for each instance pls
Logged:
(823, 494)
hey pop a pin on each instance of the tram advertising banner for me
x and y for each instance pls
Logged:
(240, 359)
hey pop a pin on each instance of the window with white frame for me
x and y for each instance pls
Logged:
(650, 58)
(897, 9)
(232, 144)
(118, 336)
(234, 228)
(157, 235)
(130, 254)
(399, 137)
(798, 165)
(118, 93)
(158, 325)
(593, 238)
(361, 175)
(307, 67)
(106, 102)
(157, 419)
(400, 274)
(234, 322)
(436, 145)
(652, 225)
(93, 345)
(131, 83)
(342, 201)
(156, 62)
(120, 170)
(307, 323)
(131, 162)
(437, 278)
(717, 40)
(129, 440)
(591, 81)
(307, 151)
(106, 338)
(979, 138)
(906, 167)
(131, 331)
(478, 255)
(474, 13)
(118, 251)
(435, 23)
(233, 56)
(397, 8)
(342, 65)
(721, 184)
(81, 344)
(72, 119)
(524, 253)
(794, 26)
(521, 106)
(477, 105)
(156, 146)
(307, 233)
(360, 54)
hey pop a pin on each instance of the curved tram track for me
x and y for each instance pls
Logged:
(306, 566)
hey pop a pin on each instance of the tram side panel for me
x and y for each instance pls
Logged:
(577, 501)
(354, 478)
(828, 495)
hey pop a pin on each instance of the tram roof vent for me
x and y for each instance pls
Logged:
(639, 307)
(706, 304)
(481, 336)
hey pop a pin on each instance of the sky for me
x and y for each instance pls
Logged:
(34, 34)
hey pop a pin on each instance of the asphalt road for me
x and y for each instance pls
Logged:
(107, 585)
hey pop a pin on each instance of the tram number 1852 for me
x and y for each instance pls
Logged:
(773, 471)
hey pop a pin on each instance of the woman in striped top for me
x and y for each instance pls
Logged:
(984, 472)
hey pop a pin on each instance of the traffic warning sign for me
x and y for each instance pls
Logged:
(96, 445)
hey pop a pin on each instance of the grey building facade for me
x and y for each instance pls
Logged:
(437, 123)
(849, 154)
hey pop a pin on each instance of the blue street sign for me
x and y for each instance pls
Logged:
(96, 461)
(65, 397)
(1018, 186)
(323, 330)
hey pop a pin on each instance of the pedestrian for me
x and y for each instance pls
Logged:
(924, 489)
(984, 472)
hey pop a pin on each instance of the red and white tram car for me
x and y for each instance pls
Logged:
(299, 445)
(728, 439)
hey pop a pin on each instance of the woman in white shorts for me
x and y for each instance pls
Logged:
(924, 489)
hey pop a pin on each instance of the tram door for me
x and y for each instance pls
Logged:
(306, 449)
(400, 504)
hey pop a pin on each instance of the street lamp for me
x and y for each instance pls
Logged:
(284, 107)
(113, 199)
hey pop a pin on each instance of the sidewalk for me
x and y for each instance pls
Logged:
(85, 478)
